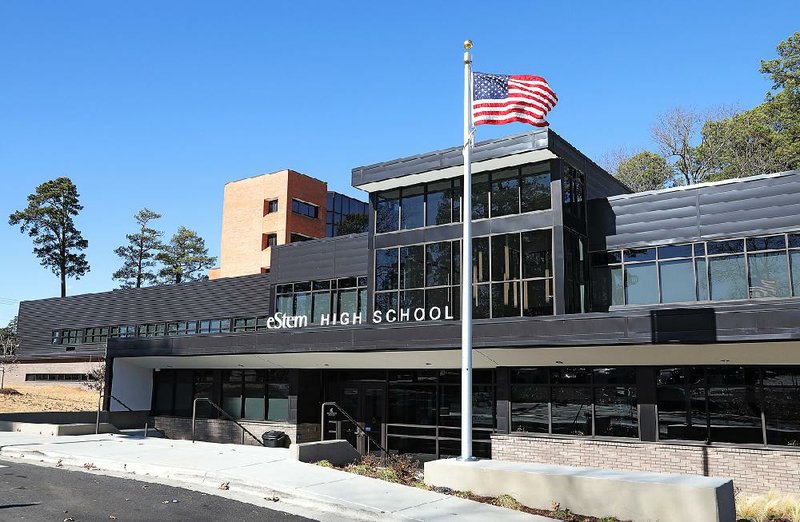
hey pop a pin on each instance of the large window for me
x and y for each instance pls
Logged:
(512, 276)
(329, 298)
(730, 404)
(575, 401)
(730, 269)
(509, 191)
(251, 394)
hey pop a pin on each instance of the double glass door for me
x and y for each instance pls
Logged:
(366, 403)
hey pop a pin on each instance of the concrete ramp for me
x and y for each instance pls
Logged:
(634, 496)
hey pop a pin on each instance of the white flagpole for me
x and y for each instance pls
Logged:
(466, 266)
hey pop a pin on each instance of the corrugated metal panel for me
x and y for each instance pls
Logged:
(745, 207)
(329, 258)
(230, 297)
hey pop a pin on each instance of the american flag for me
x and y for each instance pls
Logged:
(504, 98)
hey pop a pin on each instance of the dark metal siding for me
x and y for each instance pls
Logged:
(739, 208)
(343, 256)
(735, 322)
(230, 297)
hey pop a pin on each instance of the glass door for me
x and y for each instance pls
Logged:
(366, 403)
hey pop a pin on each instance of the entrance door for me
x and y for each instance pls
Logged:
(366, 403)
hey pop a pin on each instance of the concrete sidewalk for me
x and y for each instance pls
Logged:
(257, 471)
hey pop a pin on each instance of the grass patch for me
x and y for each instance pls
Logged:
(772, 507)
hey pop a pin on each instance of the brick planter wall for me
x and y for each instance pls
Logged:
(225, 431)
(753, 470)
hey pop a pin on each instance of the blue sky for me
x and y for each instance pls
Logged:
(158, 104)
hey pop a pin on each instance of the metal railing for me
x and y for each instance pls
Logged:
(100, 407)
(360, 428)
(223, 412)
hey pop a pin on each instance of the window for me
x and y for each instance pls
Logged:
(317, 299)
(305, 209)
(505, 192)
(270, 206)
(182, 328)
(512, 276)
(95, 335)
(256, 394)
(244, 324)
(269, 240)
(727, 404)
(412, 207)
(575, 401)
(296, 238)
(535, 188)
(439, 206)
(495, 194)
(387, 214)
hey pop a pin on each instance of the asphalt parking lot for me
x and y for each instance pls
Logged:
(38, 493)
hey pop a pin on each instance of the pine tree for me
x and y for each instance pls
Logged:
(138, 256)
(48, 219)
(184, 258)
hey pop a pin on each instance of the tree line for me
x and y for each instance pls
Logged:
(146, 260)
(693, 146)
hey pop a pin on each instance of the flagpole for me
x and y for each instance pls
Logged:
(466, 266)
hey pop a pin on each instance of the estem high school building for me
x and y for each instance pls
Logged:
(657, 331)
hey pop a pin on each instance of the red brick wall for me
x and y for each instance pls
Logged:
(753, 470)
(310, 190)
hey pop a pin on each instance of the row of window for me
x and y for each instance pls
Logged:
(713, 404)
(242, 394)
(171, 329)
(305, 209)
(60, 377)
(512, 275)
(499, 193)
(330, 297)
(747, 268)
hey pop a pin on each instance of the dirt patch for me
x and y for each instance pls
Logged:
(48, 397)
(402, 469)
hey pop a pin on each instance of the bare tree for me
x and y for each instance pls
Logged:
(679, 136)
(611, 160)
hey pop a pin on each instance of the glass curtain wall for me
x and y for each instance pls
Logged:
(575, 401)
(494, 194)
(424, 412)
(756, 405)
(243, 393)
(731, 269)
(512, 275)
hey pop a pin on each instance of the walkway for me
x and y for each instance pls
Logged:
(262, 472)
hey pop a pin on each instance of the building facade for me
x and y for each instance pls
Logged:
(655, 331)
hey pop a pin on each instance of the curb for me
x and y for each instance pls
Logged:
(292, 497)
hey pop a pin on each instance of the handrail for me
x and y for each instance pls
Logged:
(360, 427)
(111, 396)
(225, 413)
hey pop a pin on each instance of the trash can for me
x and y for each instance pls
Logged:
(275, 439)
